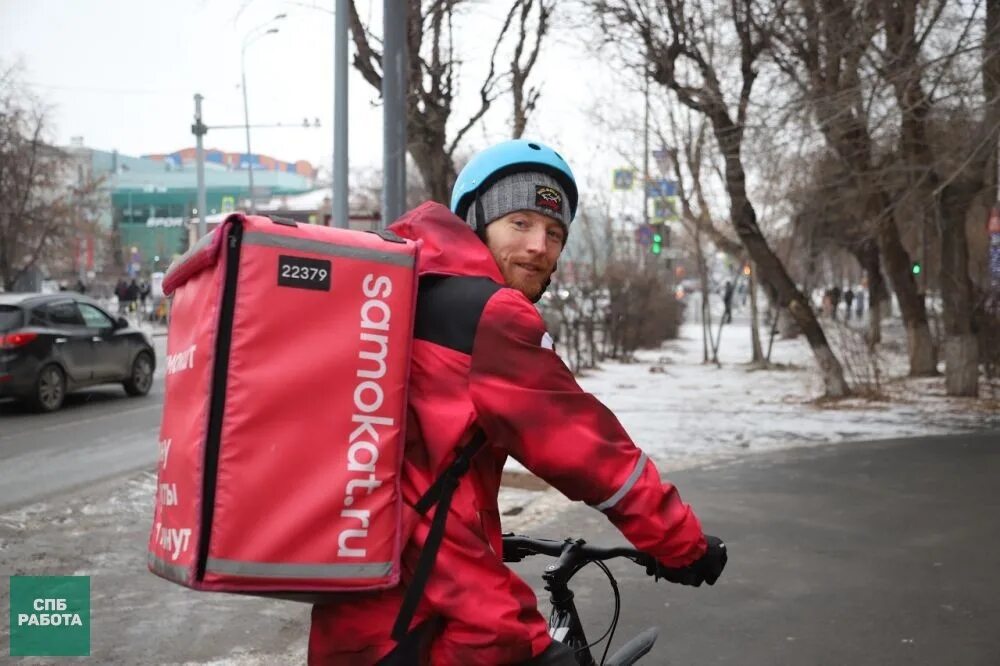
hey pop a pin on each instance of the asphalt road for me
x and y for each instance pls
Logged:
(98, 434)
(881, 553)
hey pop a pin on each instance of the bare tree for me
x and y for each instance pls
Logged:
(687, 161)
(954, 190)
(525, 100)
(433, 78)
(44, 201)
(825, 219)
(821, 45)
(678, 41)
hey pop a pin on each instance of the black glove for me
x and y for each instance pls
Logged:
(711, 564)
(705, 569)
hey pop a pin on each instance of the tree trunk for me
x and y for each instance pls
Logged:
(426, 143)
(920, 343)
(706, 319)
(758, 353)
(772, 271)
(961, 350)
(961, 354)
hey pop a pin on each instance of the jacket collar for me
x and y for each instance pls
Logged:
(447, 245)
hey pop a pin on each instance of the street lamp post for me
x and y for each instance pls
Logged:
(252, 37)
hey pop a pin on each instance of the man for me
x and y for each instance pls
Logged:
(482, 359)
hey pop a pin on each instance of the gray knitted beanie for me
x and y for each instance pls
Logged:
(526, 190)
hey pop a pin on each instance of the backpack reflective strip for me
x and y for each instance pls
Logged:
(171, 571)
(627, 486)
(329, 249)
(286, 570)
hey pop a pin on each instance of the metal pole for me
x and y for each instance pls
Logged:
(339, 214)
(199, 130)
(645, 153)
(394, 85)
(246, 124)
(247, 41)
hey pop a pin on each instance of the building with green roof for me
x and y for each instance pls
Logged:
(151, 200)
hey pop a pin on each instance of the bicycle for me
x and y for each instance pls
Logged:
(564, 621)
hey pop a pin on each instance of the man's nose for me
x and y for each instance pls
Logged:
(536, 241)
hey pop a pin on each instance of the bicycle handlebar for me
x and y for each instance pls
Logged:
(516, 547)
(571, 552)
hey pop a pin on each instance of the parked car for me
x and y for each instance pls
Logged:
(51, 344)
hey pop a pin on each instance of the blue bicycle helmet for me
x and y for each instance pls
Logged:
(495, 162)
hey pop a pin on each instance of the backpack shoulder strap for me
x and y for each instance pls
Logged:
(439, 493)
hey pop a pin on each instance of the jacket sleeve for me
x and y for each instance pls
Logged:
(528, 402)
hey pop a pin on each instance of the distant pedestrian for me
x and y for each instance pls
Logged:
(834, 300)
(121, 291)
(727, 299)
(848, 300)
(859, 303)
(131, 295)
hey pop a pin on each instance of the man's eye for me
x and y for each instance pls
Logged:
(520, 224)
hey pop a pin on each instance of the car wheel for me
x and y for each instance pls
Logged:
(50, 389)
(140, 379)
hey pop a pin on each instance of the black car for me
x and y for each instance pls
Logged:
(54, 343)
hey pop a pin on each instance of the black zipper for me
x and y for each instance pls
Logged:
(220, 374)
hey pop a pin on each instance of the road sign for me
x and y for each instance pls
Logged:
(665, 208)
(644, 234)
(661, 188)
(623, 179)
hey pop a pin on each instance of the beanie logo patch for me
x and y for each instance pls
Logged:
(549, 198)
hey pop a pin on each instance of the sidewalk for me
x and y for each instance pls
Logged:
(864, 553)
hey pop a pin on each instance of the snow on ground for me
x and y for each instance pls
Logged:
(686, 413)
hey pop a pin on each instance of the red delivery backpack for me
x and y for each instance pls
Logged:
(282, 433)
(282, 436)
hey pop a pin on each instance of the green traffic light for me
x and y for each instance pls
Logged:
(656, 248)
(657, 239)
(916, 269)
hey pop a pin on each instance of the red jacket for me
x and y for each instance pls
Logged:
(481, 356)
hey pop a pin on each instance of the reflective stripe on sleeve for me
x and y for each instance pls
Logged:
(627, 486)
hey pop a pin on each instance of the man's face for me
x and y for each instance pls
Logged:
(526, 246)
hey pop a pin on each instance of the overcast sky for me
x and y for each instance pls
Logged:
(122, 75)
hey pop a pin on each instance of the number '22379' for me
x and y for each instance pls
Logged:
(303, 273)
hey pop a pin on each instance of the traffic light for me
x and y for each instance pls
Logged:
(916, 268)
(660, 238)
